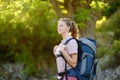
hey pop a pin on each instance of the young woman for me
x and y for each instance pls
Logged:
(67, 29)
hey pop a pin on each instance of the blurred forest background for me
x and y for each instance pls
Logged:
(28, 31)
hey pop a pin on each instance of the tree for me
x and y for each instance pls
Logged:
(26, 33)
(76, 10)
(84, 12)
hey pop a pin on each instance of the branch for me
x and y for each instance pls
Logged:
(56, 8)
(76, 4)
(68, 6)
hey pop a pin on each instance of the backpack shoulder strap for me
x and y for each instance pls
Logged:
(66, 42)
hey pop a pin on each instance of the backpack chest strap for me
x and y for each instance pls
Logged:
(59, 55)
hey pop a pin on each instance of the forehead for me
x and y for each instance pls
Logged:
(61, 22)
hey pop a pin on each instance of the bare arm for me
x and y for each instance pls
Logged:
(71, 59)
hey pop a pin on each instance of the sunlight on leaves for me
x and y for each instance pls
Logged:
(99, 22)
(60, 6)
(61, 1)
(64, 11)
(98, 5)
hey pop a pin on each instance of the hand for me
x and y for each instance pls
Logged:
(54, 49)
(62, 47)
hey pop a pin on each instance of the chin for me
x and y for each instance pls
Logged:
(59, 32)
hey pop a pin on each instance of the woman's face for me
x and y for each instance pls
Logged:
(62, 28)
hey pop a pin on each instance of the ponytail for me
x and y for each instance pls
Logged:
(74, 30)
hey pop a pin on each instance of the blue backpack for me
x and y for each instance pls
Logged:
(87, 60)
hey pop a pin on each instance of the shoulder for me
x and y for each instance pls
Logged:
(72, 46)
(73, 42)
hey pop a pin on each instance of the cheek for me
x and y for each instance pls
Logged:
(61, 30)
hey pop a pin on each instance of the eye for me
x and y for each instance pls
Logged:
(60, 25)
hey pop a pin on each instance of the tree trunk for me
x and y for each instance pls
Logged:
(72, 7)
(88, 30)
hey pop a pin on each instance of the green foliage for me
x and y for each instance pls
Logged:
(28, 33)
(30, 69)
(28, 59)
(110, 29)
(112, 56)
(114, 5)
(97, 5)
(112, 24)
(81, 16)
(115, 51)
(101, 51)
(104, 43)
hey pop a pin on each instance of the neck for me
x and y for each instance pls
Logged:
(65, 36)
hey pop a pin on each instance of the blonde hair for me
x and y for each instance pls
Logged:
(73, 26)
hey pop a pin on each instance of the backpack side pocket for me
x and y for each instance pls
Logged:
(86, 64)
